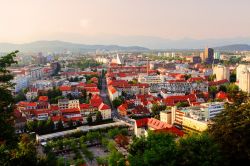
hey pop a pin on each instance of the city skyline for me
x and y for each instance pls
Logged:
(130, 22)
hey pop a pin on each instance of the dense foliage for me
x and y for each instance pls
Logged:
(164, 149)
(231, 130)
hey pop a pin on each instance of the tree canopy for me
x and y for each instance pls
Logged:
(231, 130)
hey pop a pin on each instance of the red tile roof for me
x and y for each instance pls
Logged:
(173, 130)
(56, 118)
(93, 90)
(172, 100)
(221, 95)
(85, 106)
(142, 122)
(195, 79)
(27, 104)
(112, 89)
(43, 98)
(70, 111)
(95, 100)
(103, 107)
(216, 83)
(157, 124)
(65, 88)
(54, 107)
(123, 107)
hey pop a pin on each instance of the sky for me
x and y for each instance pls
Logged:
(98, 21)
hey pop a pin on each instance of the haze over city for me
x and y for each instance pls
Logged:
(153, 24)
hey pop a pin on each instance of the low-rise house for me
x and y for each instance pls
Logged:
(105, 111)
(143, 125)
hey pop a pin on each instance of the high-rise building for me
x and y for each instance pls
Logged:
(209, 55)
(239, 69)
(217, 55)
(221, 72)
(243, 72)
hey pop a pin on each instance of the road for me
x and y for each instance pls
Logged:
(105, 97)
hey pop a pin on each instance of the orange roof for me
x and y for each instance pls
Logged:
(54, 107)
(85, 106)
(27, 104)
(221, 95)
(56, 118)
(104, 107)
(220, 82)
(70, 110)
(93, 90)
(194, 79)
(123, 107)
(142, 122)
(43, 98)
(112, 89)
(65, 88)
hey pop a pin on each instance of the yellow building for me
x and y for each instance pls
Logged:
(190, 124)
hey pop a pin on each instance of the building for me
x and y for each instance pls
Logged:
(240, 69)
(243, 78)
(73, 104)
(113, 93)
(195, 118)
(21, 82)
(63, 103)
(105, 111)
(221, 72)
(209, 55)
(210, 110)
(154, 79)
(217, 55)
(142, 126)
(36, 73)
(119, 59)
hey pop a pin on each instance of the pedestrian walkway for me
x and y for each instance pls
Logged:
(42, 138)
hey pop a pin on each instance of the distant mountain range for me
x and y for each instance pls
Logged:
(234, 47)
(60, 46)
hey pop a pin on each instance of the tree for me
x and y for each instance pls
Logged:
(233, 77)
(89, 118)
(156, 149)
(84, 95)
(7, 134)
(50, 125)
(98, 116)
(231, 130)
(90, 95)
(25, 154)
(223, 88)
(182, 104)
(32, 125)
(156, 109)
(212, 91)
(70, 123)
(113, 132)
(117, 101)
(114, 158)
(212, 77)
(232, 87)
(198, 149)
(187, 76)
(59, 125)
(20, 97)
